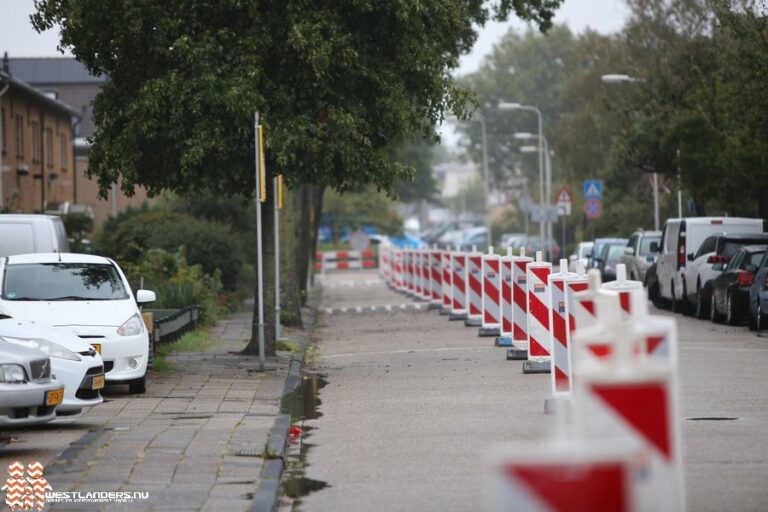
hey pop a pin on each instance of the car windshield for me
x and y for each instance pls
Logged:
(614, 252)
(645, 244)
(63, 281)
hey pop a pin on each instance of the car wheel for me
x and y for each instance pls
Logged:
(701, 304)
(751, 321)
(731, 318)
(762, 322)
(713, 314)
(138, 386)
(655, 295)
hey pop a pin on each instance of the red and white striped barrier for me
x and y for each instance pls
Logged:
(418, 281)
(634, 398)
(343, 260)
(623, 287)
(426, 275)
(520, 263)
(659, 332)
(408, 268)
(398, 271)
(560, 331)
(474, 289)
(491, 298)
(564, 476)
(447, 270)
(539, 349)
(436, 278)
(573, 286)
(505, 329)
(458, 285)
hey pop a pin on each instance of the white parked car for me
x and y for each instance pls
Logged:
(26, 233)
(88, 295)
(29, 394)
(583, 253)
(680, 240)
(74, 362)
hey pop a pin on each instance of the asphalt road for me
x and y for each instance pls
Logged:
(414, 403)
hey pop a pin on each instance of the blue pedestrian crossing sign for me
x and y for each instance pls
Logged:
(593, 189)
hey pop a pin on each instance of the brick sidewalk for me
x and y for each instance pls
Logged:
(180, 440)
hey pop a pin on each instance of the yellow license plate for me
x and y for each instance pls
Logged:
(97, 382)
(97, 347)
(54, 396)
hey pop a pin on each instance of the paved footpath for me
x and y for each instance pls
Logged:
(414, 404)
(179, 441)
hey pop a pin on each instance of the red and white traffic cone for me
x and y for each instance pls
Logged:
(491, 300)
(458, 285)
(474, 289)
(632, 397)
(623, 286)
(436, 278)
(447, 272)
(519, 350)
(659, 332)
(564, 476)
(560, 334)
(507, 312)
(539, 348)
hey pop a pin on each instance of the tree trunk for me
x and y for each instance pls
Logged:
(268, 268)
(291, 229)
(317, 208)
(304, 238)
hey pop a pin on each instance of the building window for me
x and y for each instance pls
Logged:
(63, 147)
(36, 146)
(49, 147)
(19, 136)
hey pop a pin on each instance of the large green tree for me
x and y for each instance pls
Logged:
(337, 84)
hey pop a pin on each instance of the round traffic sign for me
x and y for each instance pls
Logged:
(593, 208)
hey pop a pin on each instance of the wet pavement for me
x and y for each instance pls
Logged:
(414, 404)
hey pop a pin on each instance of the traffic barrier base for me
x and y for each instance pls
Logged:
(489, 331)
(517, 354)
(504, 341)
(457, 316)
(472, 322)
(532, 366)
(445, 310)
(558, 404)
(433, 305)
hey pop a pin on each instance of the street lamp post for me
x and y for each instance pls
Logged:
(542, 198)
(548, 183)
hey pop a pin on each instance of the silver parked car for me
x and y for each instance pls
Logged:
(28, 393)
(638, 255)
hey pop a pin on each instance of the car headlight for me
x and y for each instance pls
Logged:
(12, 374)
(48, 348)
(132, 326)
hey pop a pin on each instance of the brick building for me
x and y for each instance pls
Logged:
(37, 148)
(67, 81)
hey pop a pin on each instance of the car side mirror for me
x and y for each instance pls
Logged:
(145, 296)
(752, 268)
(629, 250)
(655, 247)
(690, 256)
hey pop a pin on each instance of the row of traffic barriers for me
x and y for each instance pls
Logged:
(344, 260)
(613, 370)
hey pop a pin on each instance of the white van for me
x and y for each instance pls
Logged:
(680, 239)
(30, 233)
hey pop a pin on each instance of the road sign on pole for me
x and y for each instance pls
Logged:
(564, 202)
(593, 208)
(593, 189)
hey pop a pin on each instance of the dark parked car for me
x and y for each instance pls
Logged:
(597, 249)
(730, 290)
(609, 258)
(758, 297)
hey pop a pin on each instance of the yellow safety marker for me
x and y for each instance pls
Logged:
(262, 168)
(280, 191)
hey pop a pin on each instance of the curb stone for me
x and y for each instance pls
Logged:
(267, 494)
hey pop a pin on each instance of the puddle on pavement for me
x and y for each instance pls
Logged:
(302, 404)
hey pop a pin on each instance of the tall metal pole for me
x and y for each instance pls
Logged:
(655, 201)
(485, 182)
(276, 193)
(541, 176)
(259, 251)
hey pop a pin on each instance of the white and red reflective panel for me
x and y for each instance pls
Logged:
(475, 286)
(436, 276)
(417, 280)
(537, 275)
(565, 476)
(491, 298)
(573, 286)
(520, 298)
(447, 271)
(398, 269)
(507, 311)
(560, 331)
(624, 288)
(659, 332)
(408, 267)
(458, 283)
(637, 402)
(426, 275)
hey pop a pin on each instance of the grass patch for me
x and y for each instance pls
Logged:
(287, 345)
(194, 341)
